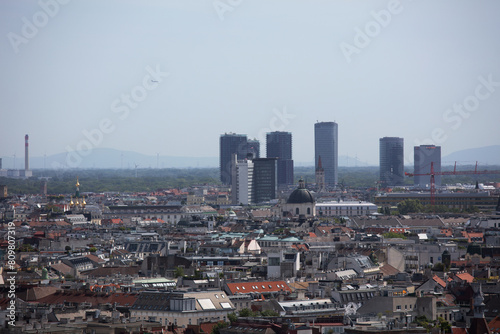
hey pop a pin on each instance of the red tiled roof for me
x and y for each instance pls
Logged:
(95, 299)
(206, 327)
(466, 277)
(457, 330)
(312, 235)
(300, 247)
(494, 324)
(261, 287)
(439, 281)
(447, 232)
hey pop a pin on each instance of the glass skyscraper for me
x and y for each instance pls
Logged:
(265, 182)
(423, 156)
(326, 146)
(231, 143)
(279, 145)
(391, 161)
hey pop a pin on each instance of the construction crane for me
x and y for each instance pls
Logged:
(454, 172)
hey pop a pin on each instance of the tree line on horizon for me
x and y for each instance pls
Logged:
(149, 180)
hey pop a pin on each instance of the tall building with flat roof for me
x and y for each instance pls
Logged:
(279, 145)
(424, 156)
(265, 180)
(326, 146)
(391, 161)
(231, 143)
(242, 181)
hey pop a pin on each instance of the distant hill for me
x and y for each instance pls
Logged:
(487, 155)
(103, 158)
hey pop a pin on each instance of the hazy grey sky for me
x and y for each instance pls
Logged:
(247, 66)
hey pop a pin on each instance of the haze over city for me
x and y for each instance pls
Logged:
(169, 77)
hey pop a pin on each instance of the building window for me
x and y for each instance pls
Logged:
(297, 211)
(308, 211)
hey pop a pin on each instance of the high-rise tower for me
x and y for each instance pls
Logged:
(231, 143)
(326, 146)
(242, 181)
(391, 161)
(423, 157)
(265, 181)
(279, 145)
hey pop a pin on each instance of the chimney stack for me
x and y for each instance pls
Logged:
(26, 153)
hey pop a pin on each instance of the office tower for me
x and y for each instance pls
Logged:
(242, 181)
(391, 161)
(230, 143)
(326, 146)
(265, 181)
(279, 145)
(423, 156)
(253, 148)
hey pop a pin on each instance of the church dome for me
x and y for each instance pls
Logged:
(300, 195)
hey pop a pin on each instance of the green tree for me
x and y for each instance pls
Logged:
(232, 317)
(269, 313)
(92, 249)
(26, 248)
(246, 313)
(390, 235)
(179, 272)
(409, 206)
(218, 326)
(444, 325)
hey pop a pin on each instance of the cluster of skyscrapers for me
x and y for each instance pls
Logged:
(254, 179)
(392, 163)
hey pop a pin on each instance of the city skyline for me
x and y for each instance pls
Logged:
(184, 68)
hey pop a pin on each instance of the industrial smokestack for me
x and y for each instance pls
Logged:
(26, 153)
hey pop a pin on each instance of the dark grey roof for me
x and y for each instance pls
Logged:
(300, 195)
